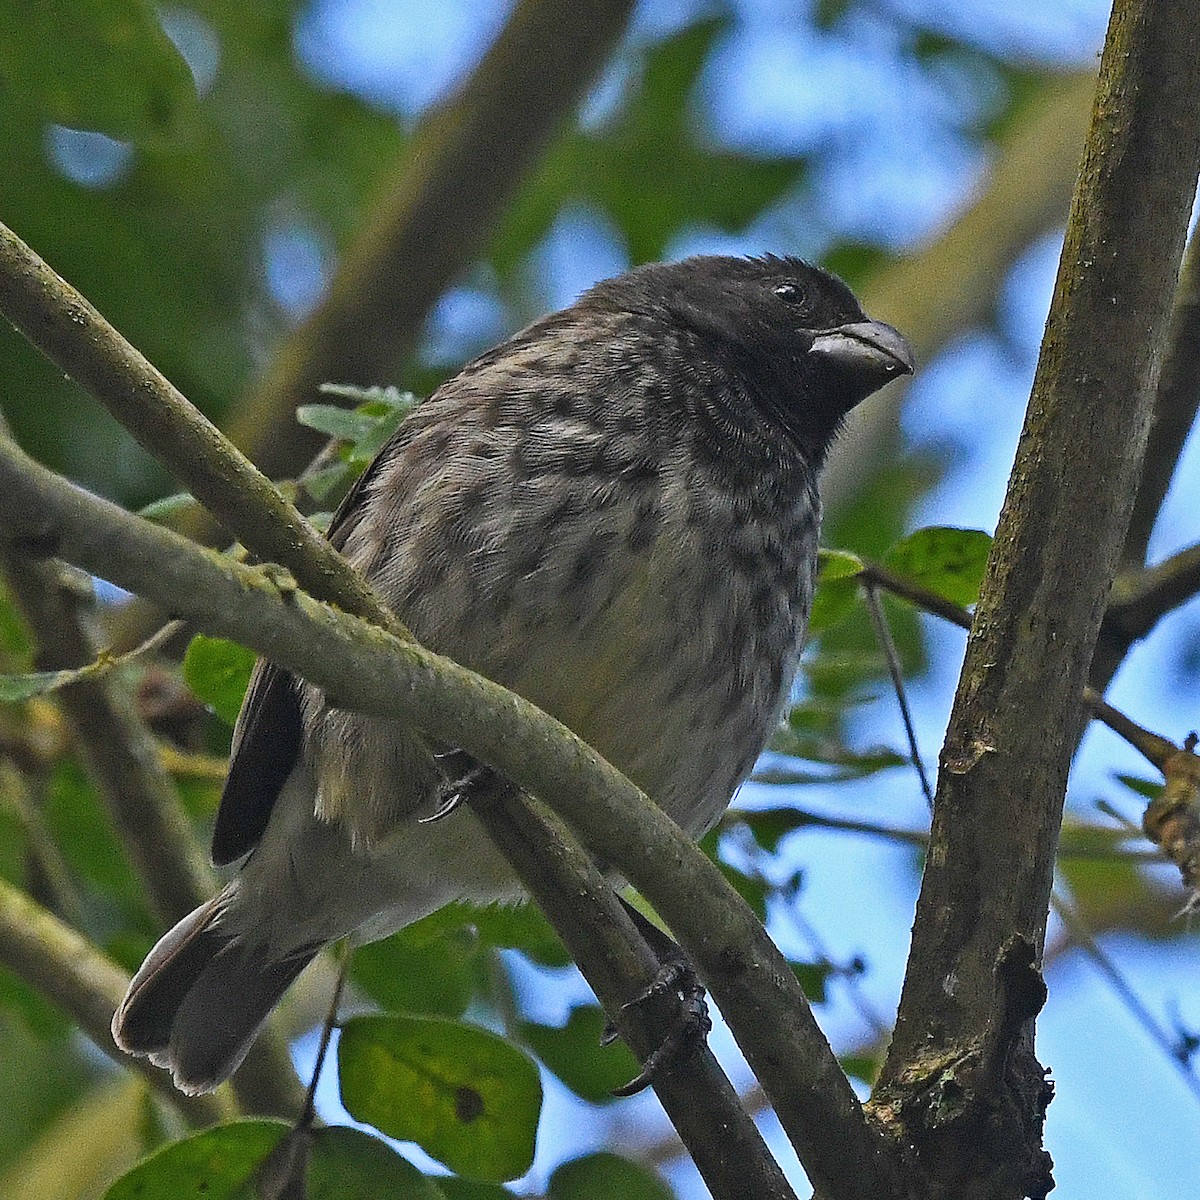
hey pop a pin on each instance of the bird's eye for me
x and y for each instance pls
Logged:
(790, 292)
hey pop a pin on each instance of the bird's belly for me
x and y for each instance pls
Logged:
(672, 674)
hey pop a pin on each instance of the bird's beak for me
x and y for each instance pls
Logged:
(870, 349)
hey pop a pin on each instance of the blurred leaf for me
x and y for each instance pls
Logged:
(1148, 789)
(1112, 893)
(827, 13)
(38, 1014)
(104, 65)
(605, 1176)
(864, 1067)
(16, 648)
(322, 484)
(854, 262)
(455, 1188)
(945, 560)
(408, 972)
(218, 1164)
(502, 926)
(466, 1096)
(813, 978)
(813, 732)
(168, 506)
(751, 888)
(573, 1052)
(218, 672)
(837, 589)
(647, 169)
(347, 1164)
(79, 824)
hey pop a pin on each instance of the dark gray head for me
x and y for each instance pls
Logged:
(794, 333)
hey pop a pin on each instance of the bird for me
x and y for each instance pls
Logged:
(613, 513)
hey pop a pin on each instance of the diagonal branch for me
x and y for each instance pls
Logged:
(461, 169)
(120, 753)
(952, 285)
(72, 974)
(1175, 406)
(982, 913)
(374, 672)
(1141, 598)
(701, 1103)
(75, 336)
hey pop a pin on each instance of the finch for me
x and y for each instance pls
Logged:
(613, 513)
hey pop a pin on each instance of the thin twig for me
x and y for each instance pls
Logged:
(1079, 933)
(308, 1110)
(1153, 746)
(883, 636)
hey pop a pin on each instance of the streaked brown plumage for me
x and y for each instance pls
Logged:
(614, 513)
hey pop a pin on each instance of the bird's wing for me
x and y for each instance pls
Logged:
(269, 730)
(267, 737)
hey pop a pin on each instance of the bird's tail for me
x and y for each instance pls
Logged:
(200, 998)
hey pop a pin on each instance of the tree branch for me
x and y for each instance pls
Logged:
(982, 911)
(374, 672)
(120, 753)
(123, 762)
(701, 1103)
(1175, 407)
(1141, 598)
(464, 164)
(74, 976)
(76, 337)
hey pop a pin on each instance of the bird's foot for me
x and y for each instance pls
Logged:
(455, 791)
(690, 1022)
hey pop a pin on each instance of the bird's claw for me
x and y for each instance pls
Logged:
(691, 1022)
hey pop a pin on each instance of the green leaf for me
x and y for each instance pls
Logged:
(168, 506)
(605, 1176)
(505, 926)
(864, 1067)
(15, 646)
(814, 732)
(945, 560)
(104, 65)
(224, 1162)
(347, 1164)
(409, 972)
(813, 977)
(218, 1164)
(1148, 789)
(837, 589)
(347, 424)
(386, 423)
(15, 688)
(573, 1052)
(455, 1188)
(366, 427)
(320, 485)
(467, 1097)
(218, 672)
